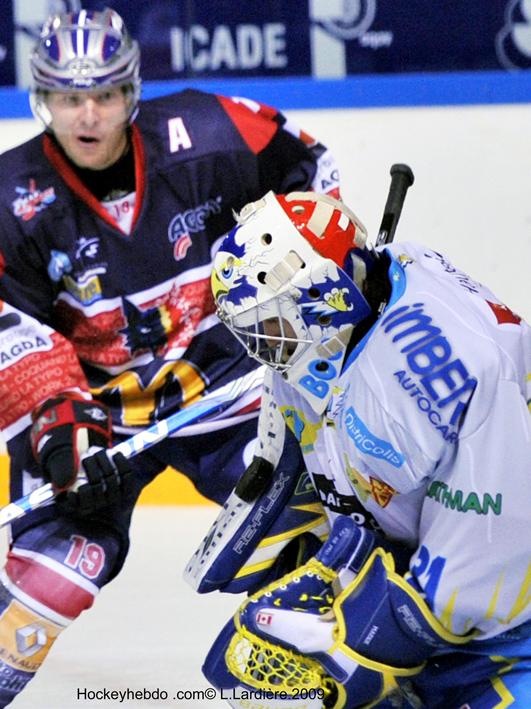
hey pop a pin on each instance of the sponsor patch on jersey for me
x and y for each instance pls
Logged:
(369, 444)
(193, 221)
(18, 342)
(437, 382)
(26, 638)
(32, 200)
(461, 501)
(381, 492)
(343, 504)
(85, 292)
(58, 265)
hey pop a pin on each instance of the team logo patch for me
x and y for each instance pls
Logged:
(32, 200)
(381, 492)
(79, 269)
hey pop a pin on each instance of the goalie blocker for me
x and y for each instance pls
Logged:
(272, 521)
(345, 624)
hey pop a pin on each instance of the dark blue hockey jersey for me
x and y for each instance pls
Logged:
(136, 307)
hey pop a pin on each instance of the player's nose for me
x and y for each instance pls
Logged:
(89, 112)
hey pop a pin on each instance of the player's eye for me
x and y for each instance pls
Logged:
(106, 96)
(71, 100)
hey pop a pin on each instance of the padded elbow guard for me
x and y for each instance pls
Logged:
(380, 630)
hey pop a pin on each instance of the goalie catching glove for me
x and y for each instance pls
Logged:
(66, 428)
(345, 623)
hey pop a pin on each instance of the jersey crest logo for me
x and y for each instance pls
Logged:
(382, 493)
(32, 200)
(82, 266)
(145, 329)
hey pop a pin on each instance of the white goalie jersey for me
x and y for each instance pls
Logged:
(427, 438)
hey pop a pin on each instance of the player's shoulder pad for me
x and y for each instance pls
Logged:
(187, 125)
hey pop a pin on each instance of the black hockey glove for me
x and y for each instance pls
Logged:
(65, 428)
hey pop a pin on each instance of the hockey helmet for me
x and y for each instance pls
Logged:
(84, 51)
(287, 283)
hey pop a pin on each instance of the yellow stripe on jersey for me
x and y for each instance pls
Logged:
(522, 600)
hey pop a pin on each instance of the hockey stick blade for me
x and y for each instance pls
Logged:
(143, 440)
(401, 180)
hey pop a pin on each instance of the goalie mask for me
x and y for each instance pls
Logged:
(84, 51)
(287, 283)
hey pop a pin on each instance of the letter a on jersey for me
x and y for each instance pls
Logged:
(179, 138)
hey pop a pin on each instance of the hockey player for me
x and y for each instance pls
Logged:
(108, 223)
(404, 381)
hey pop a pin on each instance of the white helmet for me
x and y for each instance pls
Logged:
(287, 283)
(83, 51)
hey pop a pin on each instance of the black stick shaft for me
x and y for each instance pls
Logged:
(401, 180)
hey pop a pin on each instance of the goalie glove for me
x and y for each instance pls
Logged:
(65, 429)
(348, 611)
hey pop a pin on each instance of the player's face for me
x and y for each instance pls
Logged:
(280, 337)
(90, 126)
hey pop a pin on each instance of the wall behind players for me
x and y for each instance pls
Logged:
(320, 38)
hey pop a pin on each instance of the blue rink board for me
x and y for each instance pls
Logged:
(375, 91)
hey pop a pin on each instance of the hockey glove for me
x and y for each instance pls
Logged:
(66, 428)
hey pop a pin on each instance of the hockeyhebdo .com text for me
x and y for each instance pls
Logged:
(134, 697)
(120, 696)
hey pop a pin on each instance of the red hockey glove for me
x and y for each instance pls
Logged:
(65, 428)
